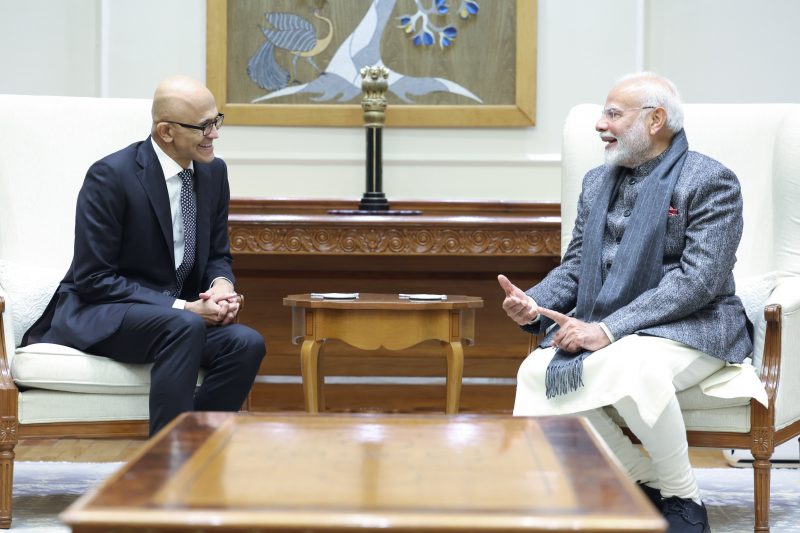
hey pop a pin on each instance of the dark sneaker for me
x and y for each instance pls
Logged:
(685, 516)
(653, 494)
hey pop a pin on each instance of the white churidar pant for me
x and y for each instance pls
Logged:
(639, 376)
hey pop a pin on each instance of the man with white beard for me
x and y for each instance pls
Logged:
(643, 303)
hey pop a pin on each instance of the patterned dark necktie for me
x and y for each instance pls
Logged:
(189, 211)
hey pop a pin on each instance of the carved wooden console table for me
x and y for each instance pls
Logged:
(294, 246)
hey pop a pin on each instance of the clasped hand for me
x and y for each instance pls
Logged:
(216, 309)
(573, 334)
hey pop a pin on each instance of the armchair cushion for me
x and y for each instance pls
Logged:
(754, 291)
(721, 390)
(28, 290)
(734, 419)
(61, 368)
(56, 367)
(39, 406)
(693, 398)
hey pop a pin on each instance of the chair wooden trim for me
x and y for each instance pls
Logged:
(762, 438)
(8, 428)
(11, 430)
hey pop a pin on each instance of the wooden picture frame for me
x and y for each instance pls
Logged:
(518, 111)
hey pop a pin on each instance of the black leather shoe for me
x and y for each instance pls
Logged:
(653, 494)
(685, 516)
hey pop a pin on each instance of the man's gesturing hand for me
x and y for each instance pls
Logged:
(517, 305)
(575, 335)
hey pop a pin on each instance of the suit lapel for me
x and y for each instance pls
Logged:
(152, 179)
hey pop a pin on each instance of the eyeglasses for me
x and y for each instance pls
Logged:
(205, 127)
(612, 114)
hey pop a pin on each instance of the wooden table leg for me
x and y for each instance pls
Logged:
(309, 359)
(321, 378)
(455, 369)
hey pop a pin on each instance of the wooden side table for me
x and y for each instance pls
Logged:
(381, 320)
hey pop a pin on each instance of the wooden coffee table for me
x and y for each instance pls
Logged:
(334, 473)
(381, 320)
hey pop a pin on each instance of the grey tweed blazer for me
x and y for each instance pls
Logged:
(694, 303)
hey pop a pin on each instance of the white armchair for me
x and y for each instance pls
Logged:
(49, 390)
(761, 144)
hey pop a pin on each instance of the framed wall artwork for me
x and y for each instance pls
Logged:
(451, 63)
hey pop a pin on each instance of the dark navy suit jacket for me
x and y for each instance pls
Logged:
(124, 248)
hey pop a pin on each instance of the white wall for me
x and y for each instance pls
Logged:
(49, 47)
(715, 50)
(147, 40)
(725, 51)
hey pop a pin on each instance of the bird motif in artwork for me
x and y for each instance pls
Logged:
(294, 35)
(341, 80)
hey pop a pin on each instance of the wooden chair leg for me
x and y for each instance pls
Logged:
(761, 492)
(6, 481)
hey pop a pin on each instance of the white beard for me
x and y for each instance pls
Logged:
(632, 147)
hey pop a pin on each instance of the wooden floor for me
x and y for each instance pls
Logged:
(104, 451)
(76, 450)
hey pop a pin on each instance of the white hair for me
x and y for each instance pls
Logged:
(659, 91)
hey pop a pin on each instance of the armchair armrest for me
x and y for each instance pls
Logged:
(4, 345)
(8, 391)
(5, 370)
(3, 355)
(771, 360)
(781, 359)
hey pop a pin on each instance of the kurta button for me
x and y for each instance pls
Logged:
(619, 239)
(632, 181)
(166, 292)
(608, 265)
(627, 213)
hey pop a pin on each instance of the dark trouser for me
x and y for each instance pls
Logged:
(179, 343)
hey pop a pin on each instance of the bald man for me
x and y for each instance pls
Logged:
(151, 279)
(642, 304)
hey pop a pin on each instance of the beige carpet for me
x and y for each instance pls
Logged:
(43, 489)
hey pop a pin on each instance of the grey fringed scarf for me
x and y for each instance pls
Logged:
(643, 239)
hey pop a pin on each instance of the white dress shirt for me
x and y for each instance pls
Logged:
(171, 170)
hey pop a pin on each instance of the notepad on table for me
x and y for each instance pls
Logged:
(335, 295)
(426, 297)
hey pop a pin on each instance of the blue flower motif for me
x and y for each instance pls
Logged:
(422, 28)
(407, 23)
(446, 36)
(423, 39)
(468, 8)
